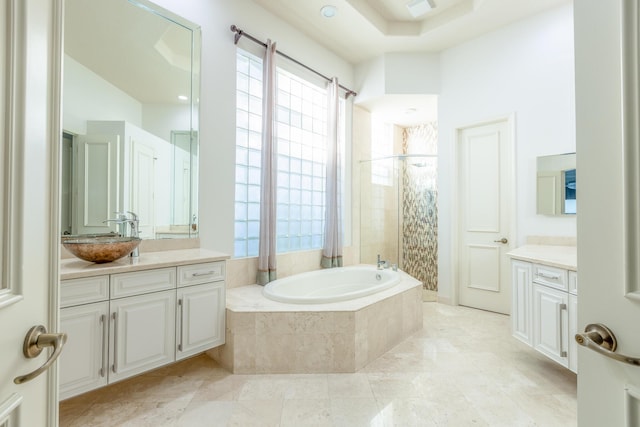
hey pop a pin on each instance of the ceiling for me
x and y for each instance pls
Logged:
(364, 29)
(141, 52)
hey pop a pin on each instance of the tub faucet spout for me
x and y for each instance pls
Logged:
(381, 263)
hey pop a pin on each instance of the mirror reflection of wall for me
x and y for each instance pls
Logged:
(556, 185)
(130, 90)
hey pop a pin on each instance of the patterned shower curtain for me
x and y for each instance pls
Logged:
(332, 251)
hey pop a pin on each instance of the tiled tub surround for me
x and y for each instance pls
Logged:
(265, 336)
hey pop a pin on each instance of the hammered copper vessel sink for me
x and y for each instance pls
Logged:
(101, 249)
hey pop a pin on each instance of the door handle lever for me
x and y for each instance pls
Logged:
(600, 339)
(504, 241)
(36, 340)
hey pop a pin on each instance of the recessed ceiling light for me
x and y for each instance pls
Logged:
(183, 98)
(328, 11)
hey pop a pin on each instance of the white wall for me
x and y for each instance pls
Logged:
(88, 96)
(217, 97)
(524, 69)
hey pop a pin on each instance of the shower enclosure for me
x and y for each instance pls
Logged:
(399, 215)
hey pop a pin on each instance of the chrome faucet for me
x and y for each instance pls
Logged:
(381, 264)
(121, 221)
(134, 221)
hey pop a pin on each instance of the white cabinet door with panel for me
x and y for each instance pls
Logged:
(550, 323)
(201, 308)
(521, 315)
(142, 333)
(200, 321)
(83, 366)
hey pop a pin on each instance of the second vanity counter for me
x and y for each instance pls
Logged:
(73, 268)
(552, 255)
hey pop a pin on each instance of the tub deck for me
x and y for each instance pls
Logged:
(265, 336)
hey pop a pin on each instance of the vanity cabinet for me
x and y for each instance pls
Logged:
(123, 324)
(544, 309)
(84, 316)
(142, 333)
(201, 308)
(521, 312)
(84, 362)
(550, 323)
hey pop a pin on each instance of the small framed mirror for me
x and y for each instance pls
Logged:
(556, 185)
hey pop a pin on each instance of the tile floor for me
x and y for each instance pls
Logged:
(463, 369)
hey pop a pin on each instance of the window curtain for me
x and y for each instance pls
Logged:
(267, 245)
(332, 251)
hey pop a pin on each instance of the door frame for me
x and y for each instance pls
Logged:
(55, 137)
(510, 120)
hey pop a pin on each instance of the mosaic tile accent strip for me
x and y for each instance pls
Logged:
(420, 205)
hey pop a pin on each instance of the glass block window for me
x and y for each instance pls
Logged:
(301, 109)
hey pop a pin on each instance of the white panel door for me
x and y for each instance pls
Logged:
(142, 333)
(143, 186)
(201, 318)
(84, 364)
(607, 136)
(484, 209)
(30, 50)
(98, 180)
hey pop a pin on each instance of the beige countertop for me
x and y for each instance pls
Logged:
(73, 268)
(552, 255)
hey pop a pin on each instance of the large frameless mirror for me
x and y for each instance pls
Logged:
(130, 119)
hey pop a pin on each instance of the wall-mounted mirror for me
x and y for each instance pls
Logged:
(130, 118)
(556, 184)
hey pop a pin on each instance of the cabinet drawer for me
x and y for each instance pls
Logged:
(573, 282)
(84, 290)
(200, 273)
(550, 276)
(141, 282)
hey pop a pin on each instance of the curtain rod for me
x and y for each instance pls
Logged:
(239, 34)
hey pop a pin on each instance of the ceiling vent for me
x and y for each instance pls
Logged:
(417, 8)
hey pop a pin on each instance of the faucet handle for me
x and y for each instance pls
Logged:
(134, 216)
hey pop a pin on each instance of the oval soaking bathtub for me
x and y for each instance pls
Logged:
(330, 285)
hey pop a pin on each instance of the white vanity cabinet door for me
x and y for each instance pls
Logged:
(550, 323)
(142, 334)
(83, 363)
(200, 321)
(521, 316)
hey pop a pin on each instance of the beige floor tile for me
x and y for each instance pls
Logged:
(349, 385)
(202, 413)
(464, 368)
(356, 412)
(408, 413)
(259, 413)
(306, 412)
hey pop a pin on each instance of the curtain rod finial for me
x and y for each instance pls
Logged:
(237, 35)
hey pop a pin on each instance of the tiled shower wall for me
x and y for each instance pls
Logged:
(419, 198)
